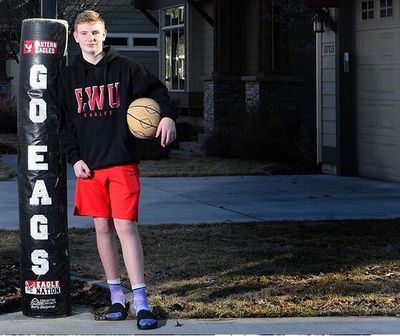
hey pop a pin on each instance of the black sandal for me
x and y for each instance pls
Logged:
(117, 308)
(146, 315)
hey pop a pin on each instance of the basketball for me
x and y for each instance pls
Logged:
(143, 118)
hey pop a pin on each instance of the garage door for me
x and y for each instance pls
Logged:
(378, 88)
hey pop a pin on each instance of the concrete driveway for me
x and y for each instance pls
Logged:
(240, 199)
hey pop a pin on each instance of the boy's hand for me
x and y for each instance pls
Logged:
(167, 130)
(81, 169)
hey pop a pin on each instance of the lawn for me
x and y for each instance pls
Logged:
(270, 269)
(178, 164)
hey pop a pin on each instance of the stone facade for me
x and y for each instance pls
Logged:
(222, 98)
(5, 87)
(252, 91)
(227, 97)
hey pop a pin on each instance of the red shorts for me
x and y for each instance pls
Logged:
(109, 193)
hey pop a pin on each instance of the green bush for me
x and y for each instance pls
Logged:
(275, 136)
(8, 115)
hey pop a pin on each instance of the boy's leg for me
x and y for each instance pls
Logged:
(131, 249)
(106, 245)
(133, 258)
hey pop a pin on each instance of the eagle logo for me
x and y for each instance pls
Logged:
(28, 47)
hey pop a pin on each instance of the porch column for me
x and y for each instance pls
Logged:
(346, 75)
(265, 28)
(227, 37)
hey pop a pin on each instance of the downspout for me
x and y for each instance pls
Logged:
(318, 72)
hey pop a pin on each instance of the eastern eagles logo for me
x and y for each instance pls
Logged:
(32, 47)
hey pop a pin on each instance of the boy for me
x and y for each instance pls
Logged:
(94, 94)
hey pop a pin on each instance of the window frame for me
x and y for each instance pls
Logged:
(130, 41)
(367, 10)
(386, 9)
(163, 30)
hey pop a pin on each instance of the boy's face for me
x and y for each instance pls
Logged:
(90, 37)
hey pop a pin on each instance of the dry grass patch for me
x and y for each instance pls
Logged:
(182, 165)
(5, 172)
(179, 164)
(8, 145)
(341, 268)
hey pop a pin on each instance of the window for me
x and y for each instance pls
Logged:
(132, 42)
(145, 41)
(367, 10)
(174, 40)
(116, 41)
(386, 8)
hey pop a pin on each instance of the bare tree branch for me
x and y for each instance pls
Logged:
(12, 13)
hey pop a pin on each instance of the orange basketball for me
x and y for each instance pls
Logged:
(143, 118)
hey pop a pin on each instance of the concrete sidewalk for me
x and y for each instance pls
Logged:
(239, 199)
(81, 322)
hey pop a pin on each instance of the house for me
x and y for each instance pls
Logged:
(219, 58)
(129, 32)
(222, 57)
(358, 95)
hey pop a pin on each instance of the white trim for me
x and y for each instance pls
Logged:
(319, 95)
(176, 90)
(173, 27)
(130, 41)
(163, 30)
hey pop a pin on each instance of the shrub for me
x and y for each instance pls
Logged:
(184, 132)
(8, 115)
(272, 135)
(152, 150)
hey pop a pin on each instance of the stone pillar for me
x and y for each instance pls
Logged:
(223, 98)
(252, 93)
(208, 105)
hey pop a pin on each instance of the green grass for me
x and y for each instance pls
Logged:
(270, 269)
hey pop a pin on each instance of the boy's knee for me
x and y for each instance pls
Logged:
(126, 228)
(103, 225)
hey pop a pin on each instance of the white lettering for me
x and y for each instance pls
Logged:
(37, 110)
(38, 77)
(35, 161)
(39, 227)
(40, 191)
(40, 263)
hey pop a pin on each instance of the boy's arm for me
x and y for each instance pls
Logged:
(145, 84)
(67, 133)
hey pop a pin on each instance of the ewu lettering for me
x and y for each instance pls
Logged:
(91, 101)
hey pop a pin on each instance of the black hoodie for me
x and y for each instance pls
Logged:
(93, 100)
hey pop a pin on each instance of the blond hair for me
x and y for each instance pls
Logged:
(88, 16)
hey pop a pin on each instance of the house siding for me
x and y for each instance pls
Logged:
(200, 42)
(125, 18)
(328, 88)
